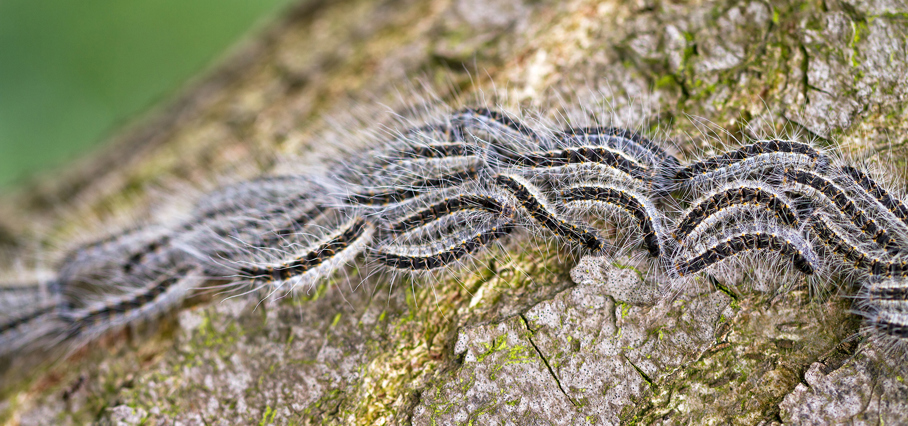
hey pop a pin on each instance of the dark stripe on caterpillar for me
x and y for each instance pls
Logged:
(430, 142)
(713, 203)
(846, 205)
(112, 243)
(86, 318)
(891, 324)
(231, 197)
(295, 225)
(439, 150)
(746, 242)
(447, 255)
(861, 260)
(446, 207)
(748, 151)
(579, 155)
(894, 293)
(139, 255)
(835, 243)
(413, 190)
(486, 118)
(23, 319)
(137, 258)
(98, 245)
(623, 200)
(311, 259)
(889, 202)
(20, 288)
(539, 212)
(441, 132)
(622, 140)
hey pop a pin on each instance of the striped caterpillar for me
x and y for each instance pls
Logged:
(434, 196)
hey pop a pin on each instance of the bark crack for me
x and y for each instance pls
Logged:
(545, 360)
(645, 377)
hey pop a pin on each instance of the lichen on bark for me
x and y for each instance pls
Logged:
(527, 338)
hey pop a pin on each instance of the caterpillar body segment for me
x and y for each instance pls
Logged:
(443, 254)
(29, 289)
(885, 199)
(421, 136)
(725, 199)
(789, 245)
(374, 186)
(446, 230)
(410, 174)
(888, 292)
(429, 142)
(159, 294)
(303, 265)
(540, 212)
(747, 152)
(23, 328)
(100, 270)
(581, 156)
(438, 150)
(892, 324)
(413, 154)
(633, 144)
(832, 237)
(100, 246)
(883, 302)
(817, 185)
(495, 123)
(15, 318)
(880, 195)
(254, 228)
(649, 219)
(254, 193)
(754, 161)
(412, 166)
(662, 166)
(414, 189)
(116, 259)
(446, 207)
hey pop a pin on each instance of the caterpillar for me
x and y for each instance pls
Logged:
(846, 205)
(142, 303)
(736, 194)
(440, 192)
(751, 161)
(638, 206)
(789, 245)
(445, 253)
(622, 140)
(447, 207)
(413, 189)
(534, 203)
(346, 243)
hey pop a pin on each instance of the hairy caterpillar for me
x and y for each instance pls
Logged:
(742, 193)
(534, 203)
(321, 258)
(886, 200)
(847, 206)
(438, 193)
(787, 244)
(445, 253)
(581, 196)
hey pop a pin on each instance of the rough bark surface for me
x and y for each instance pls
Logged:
(534, 340)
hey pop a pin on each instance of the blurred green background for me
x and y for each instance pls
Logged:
(72, 71)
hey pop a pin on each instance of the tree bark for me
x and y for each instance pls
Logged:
(534, 340)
